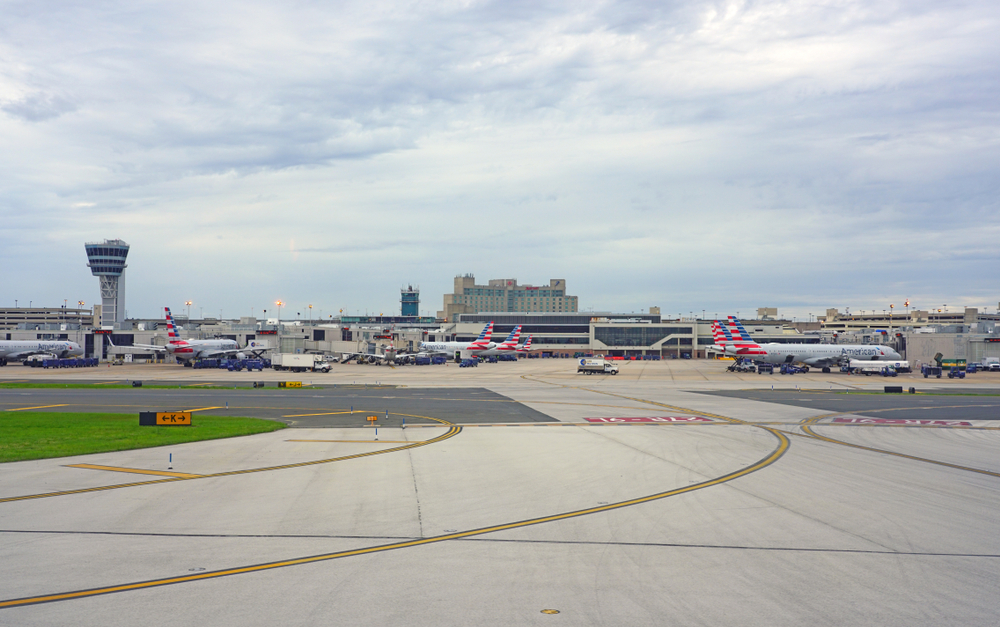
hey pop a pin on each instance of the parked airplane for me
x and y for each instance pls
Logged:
(736, 342)
(508, 346)
(481, 343)
(186, 350)
(388, 356)
(15, 350)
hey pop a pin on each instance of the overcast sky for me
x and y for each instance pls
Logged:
(689, 155)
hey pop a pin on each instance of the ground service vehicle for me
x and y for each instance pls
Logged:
(300, 363)
(956, 373)
(931, 371)
(596, 364)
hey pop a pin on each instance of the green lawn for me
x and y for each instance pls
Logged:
(40, 435)
(124, 386)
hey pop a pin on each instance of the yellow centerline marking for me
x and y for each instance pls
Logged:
(783, 444)
(137, 471)
(329, 413)
(807, 428)
(452, 431)
(358, 441)
(106, 382)
(39, 407)
(194, 385)
(202, 408)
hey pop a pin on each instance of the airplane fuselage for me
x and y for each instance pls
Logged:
(18, 349)
(199, 349)
(452, 347)
(824, 355)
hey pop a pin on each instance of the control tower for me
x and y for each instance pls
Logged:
(409, 300)
(107, 263)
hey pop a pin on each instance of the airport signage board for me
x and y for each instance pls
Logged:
(652, 419)
(901, 421)
(164, 419)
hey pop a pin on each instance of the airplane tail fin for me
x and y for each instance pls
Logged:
(171, 327)
(486, 334)
(737, 336)
(718, 334)
(739, 329)
(514, 336)
(527, 344)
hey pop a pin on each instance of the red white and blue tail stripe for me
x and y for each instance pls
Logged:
(526, 347)
(733, 339)
(482, 342)
(512, 339)
(171, 328)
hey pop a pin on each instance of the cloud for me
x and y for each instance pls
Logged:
(682, 153)
(37, 107)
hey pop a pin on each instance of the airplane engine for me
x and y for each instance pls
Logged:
(241, 356)
(372, 360)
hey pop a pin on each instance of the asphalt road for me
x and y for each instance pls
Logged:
(328, 406)
(902, 406)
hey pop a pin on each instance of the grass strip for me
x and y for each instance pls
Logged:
(124, 386)
(43, 435)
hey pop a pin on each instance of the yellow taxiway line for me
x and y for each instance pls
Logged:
(783, 444)
(358, 441)
(137, 471)
(39, 407)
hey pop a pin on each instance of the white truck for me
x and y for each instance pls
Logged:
(590, 365)
(862, 366)
(300, 363)
(991, 364)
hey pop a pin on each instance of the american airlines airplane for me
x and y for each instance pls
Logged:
(186, 350)
(733, 340)
(475, 347)
(14, 350)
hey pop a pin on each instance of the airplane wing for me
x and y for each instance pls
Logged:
(219, 352)
(822, 362)
(148, 347)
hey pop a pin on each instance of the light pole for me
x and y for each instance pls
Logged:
(279, 304)
(310, 315)
(188, 303)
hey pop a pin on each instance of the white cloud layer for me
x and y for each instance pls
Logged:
(719, 156)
